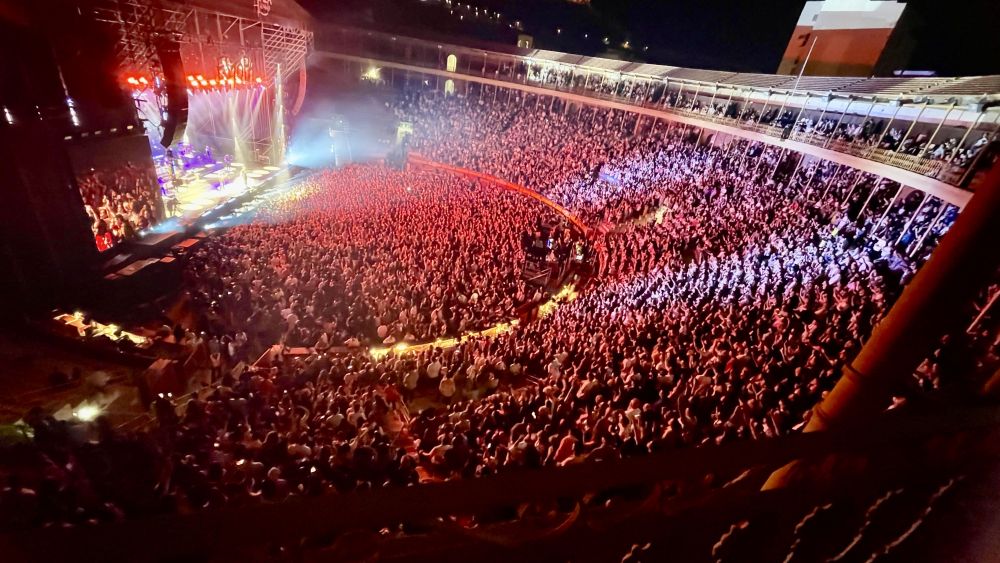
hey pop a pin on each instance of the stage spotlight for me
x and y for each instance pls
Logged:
(203, 82)
(143, 81)
(260, 80)
(87, 413)
(131, 80)
(190, 77)
(212, 82)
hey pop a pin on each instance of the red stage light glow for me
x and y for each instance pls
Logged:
(143, 80)
(259, 80)
(212, 82)
(132, 80)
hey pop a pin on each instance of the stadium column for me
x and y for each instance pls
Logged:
(937, 129)
(871, 107)
(888, 128)
(832, 180)
(913, 217)
(930, 228)
(781, 109)
(850, 100)
(931, 306)
(798, 116)
(746, 105)
(961, 143)
(912, 125)
(764, 109)
(888, 208)
(812, 176)
(711, 103)
(798, 164)
(850, 192)
(694, 98)
(777, 163)
(871, 194)
(729, 100)
(822, 114)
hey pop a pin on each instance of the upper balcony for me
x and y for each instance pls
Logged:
(937, 127)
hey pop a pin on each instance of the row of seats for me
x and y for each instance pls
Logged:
(970, 86)
(703, 75)
(886, 86)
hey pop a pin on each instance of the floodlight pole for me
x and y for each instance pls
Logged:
(805, 63)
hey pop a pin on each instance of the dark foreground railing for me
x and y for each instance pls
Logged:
(688, 497)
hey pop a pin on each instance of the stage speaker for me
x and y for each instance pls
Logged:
(169, 52)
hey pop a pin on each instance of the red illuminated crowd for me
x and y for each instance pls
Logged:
(120, 202)
(368, 255)
(730, 284)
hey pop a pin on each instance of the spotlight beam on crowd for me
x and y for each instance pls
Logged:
(278, 141)
(227, 115)
(239, 152)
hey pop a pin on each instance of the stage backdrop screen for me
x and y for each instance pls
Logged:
(118, 184)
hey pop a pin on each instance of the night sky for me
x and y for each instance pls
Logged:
(951, 38)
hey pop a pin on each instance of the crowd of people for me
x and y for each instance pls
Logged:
(119, 201)
(731, 285)
(925, 142)
(370, 255)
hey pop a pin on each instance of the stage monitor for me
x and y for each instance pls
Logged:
(118, 185)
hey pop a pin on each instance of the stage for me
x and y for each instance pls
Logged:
(207, 195)
(203, 188)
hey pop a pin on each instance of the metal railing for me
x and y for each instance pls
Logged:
(896, 445)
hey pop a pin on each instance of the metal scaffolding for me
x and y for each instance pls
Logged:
(208, 40)
(205, 36)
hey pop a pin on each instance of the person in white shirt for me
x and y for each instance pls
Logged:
(447, 388)
(434, 369)
(410, 381)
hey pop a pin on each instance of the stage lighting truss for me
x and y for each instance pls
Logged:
(252, 46)
(254, 49)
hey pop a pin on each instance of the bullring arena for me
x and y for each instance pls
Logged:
(517, 305)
